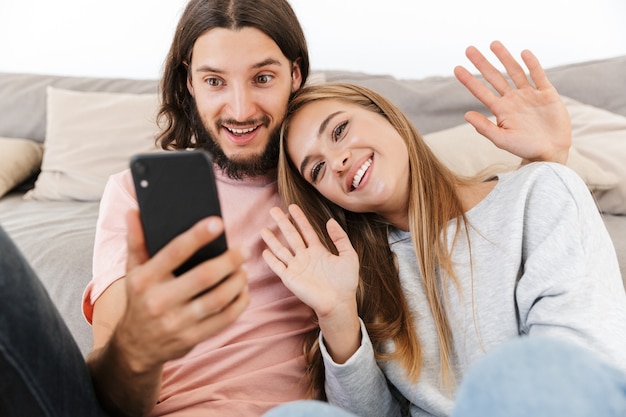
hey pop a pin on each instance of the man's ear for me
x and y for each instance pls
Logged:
(189, 85)
(296, 76)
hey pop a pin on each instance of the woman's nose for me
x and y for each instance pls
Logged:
(340, 161)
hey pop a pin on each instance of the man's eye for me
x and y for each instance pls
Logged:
(339, 130)
(264, 79)
(315, 171)
(214, 82)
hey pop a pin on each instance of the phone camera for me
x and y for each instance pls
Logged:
(141, 168)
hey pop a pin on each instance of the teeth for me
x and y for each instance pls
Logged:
(241, 131)
(359, 174)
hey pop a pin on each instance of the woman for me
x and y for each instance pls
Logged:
(476, 262)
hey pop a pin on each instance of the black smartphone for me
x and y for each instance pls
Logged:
(174, 190)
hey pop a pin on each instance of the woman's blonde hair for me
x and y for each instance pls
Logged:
(433, 202)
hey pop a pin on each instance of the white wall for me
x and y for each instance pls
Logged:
(406, 38)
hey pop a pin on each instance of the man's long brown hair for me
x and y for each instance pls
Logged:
(275, 18)
(433, 202)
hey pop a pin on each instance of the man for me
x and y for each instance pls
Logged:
(232, 351)
(158, 349)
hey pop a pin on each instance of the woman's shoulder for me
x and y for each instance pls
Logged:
(546, 174)
(549, 183)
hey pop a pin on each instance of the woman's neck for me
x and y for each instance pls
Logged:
(472, 194)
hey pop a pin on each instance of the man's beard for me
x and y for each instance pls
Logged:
(252, 166)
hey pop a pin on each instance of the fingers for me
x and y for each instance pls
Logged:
(291, 234)
(485, 127)
(297, 238)
(537, 73)
(475, 86)
(179, 249)
(495, 77)
(512, 67)
(177, 313)
(488, 71)
(177, 329)
(278, 251)
(276, 265)
(218, 298)
(209, 304)
(218, 321)
(339, 237)
(137, 252)
(306, 230)
(144, 273)
(207, 275)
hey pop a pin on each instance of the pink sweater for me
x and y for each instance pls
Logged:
(251, 366)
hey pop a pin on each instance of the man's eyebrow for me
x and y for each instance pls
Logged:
(323, 126)
(264, 63)
(207, 68)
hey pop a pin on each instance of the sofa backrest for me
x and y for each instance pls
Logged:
(437, 103)
(432, 103)
(23, 99)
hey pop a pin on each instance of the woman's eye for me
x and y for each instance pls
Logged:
(214, 82)
(339, 130)
(315, 171)
(263, 79)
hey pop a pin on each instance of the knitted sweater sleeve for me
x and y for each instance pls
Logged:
(359, 385)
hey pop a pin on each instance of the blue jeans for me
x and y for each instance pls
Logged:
(42, 371)
(527, 377)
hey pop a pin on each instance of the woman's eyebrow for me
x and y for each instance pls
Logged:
(326, 121)
(303, 165)
(323, 126)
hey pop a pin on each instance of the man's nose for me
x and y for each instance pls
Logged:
(241, 103)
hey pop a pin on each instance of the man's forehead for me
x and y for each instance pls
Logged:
(222, 49)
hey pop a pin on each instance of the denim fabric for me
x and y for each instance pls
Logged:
(540, 378)
(307, 408)
(43, 372)
(528, 377)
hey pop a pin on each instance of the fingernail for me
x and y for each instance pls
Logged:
(214, 226)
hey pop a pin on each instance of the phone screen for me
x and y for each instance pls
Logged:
(175, 189)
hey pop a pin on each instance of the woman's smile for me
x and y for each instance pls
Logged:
(362, 170)
(353, 156)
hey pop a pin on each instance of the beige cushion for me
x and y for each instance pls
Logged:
(19, 159)
(595, 154)
(467, 152)
(598, 152)
(600, 135)
(89, 136)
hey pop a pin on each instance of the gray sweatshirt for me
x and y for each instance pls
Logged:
(543, 265)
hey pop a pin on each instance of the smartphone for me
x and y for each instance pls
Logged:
(174, 190)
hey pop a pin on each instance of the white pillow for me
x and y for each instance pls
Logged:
(467, 152)
(600, 135)
(89, 136)
(19, 159)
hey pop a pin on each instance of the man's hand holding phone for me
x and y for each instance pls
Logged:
(179, 233)
(164, 317)
(172, 315)
(173, 297)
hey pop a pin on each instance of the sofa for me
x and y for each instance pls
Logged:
(61, 137)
